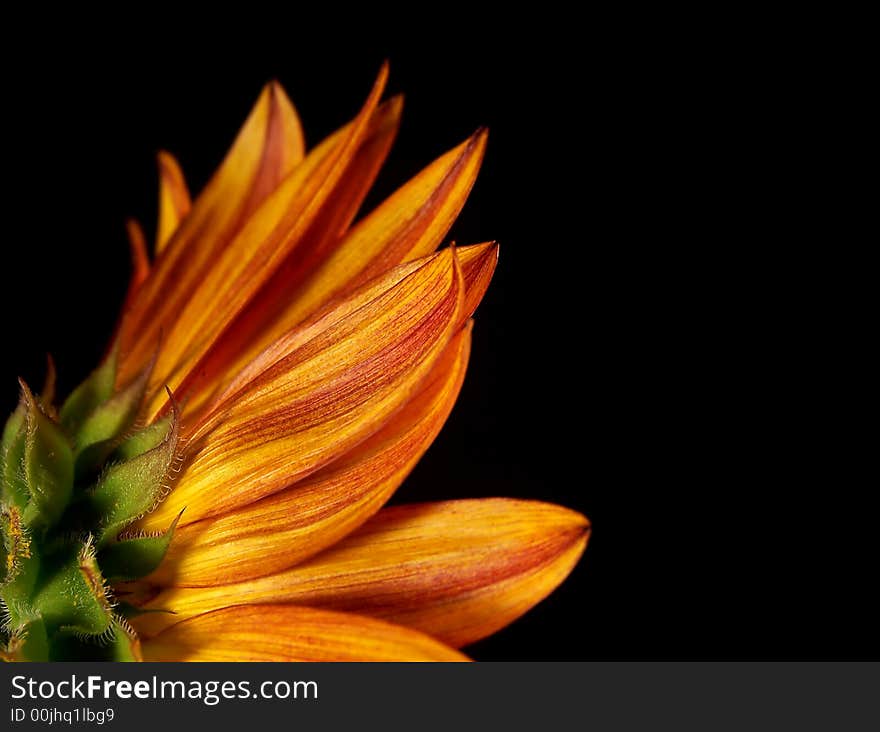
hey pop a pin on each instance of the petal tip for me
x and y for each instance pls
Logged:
(395, 105)
(165, 160)
(277, 93)
(479, 140)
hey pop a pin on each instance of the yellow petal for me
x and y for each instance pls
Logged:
(317, 393)
(257, 325)
(477, 263)
(409, 224)
(262, 245)
(345, 198)
(286, 633)
(457, 570)
(174, 201)
(282, 530)
(266, 149)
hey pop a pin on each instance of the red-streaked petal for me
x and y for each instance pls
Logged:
(286, 633)
(282, 530)
(262, 245)
(140, 269)
(174, 200)
(458, 570)
(477, 266)
(409, 224)
(318, 393)
(266, 149)
(140, 259)
(260, 322)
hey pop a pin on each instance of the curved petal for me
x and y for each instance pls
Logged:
(317, 394)
(477, 267)
(174, 200)
(140, 260)
(282, 530)
(140, 270)
(458, 570)
(268, 147)
(260, 322)
(286, 633)
(409, 224)
(280, 226)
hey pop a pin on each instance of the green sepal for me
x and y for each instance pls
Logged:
(101, 430)
(18, 591)
(115, 644)
(131, 559)
(129, 489)
(28, 639)
(145, 439)
(95, 390)
(48, 465)
(28, 642)
(125, 645)
(73, 597)
(15, 490)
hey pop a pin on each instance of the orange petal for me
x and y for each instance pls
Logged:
(140, 260)
(282, 530)
(140, 270)
(257, 251)
(258, 324)
(409, 224)
(286, 633)
(267, 148)
(458, 570)
(318, 393)
(174, 201)
(477, 263)
(477, 267)
(345, 199)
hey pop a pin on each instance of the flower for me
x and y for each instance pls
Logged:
(215, 489)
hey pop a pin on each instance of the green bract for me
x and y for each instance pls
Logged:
(73, 481)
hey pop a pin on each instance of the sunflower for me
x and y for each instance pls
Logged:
(214, 490)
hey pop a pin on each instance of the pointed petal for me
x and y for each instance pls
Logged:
(282, 530)
(409, 224)
(259, 324)
(47, 393)
(140, 270)
(318, 393)
(261, 246)
(174, 200)
(458, 570)
(285, 633)
(266, 149)
(285, 143)
(140, 260)
(477, 266)
(345, 198)
(214, 373)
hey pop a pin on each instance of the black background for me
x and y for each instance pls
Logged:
(631, 359)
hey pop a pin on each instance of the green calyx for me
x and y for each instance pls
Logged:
(73, 481)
